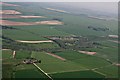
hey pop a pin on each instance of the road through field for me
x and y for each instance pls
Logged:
(42, 71)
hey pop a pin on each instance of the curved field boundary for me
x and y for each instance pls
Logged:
(34, 41)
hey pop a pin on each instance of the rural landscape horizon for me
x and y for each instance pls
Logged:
(59, 40)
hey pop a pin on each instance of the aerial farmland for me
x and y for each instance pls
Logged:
(51, 42)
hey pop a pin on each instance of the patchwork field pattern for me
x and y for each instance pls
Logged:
(26, 30)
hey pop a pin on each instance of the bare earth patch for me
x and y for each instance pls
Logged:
(52, 22)
(113, 36)
(32, 17)
(6, 4)
(9, 12)
(118, 65)
(19, 16)
(13, 23)
(14, 53)
(34, 41)
(99, 18)
(89, 53)
(114, 41)
(6, 49)
(56, 56)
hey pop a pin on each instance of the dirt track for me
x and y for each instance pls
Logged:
(34, 41)
(57, 10)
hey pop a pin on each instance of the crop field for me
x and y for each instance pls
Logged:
(52, 61)
(21, 35)
(75, 65)
(93, 62)
(22, 54)
(33, 33)
(46, 45)
(110, 71)
(28, 74)
(80, 26)
(50, 51)
(106, 50)
(44, 30)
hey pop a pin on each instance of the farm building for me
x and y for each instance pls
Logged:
(31, 61)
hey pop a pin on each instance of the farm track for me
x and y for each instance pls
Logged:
(95, 69)
(67, 71)
(102, 67)
(99, 73)
(42, 71)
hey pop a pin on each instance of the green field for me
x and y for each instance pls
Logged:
(44, 30)
(110, 71)
(45, 45)
(21, 35)
(90, 62)
(81, 64)
(81, 23)
(6, 54)
(56, 67)
(107, 50)
(22, 54)
(29, 74)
